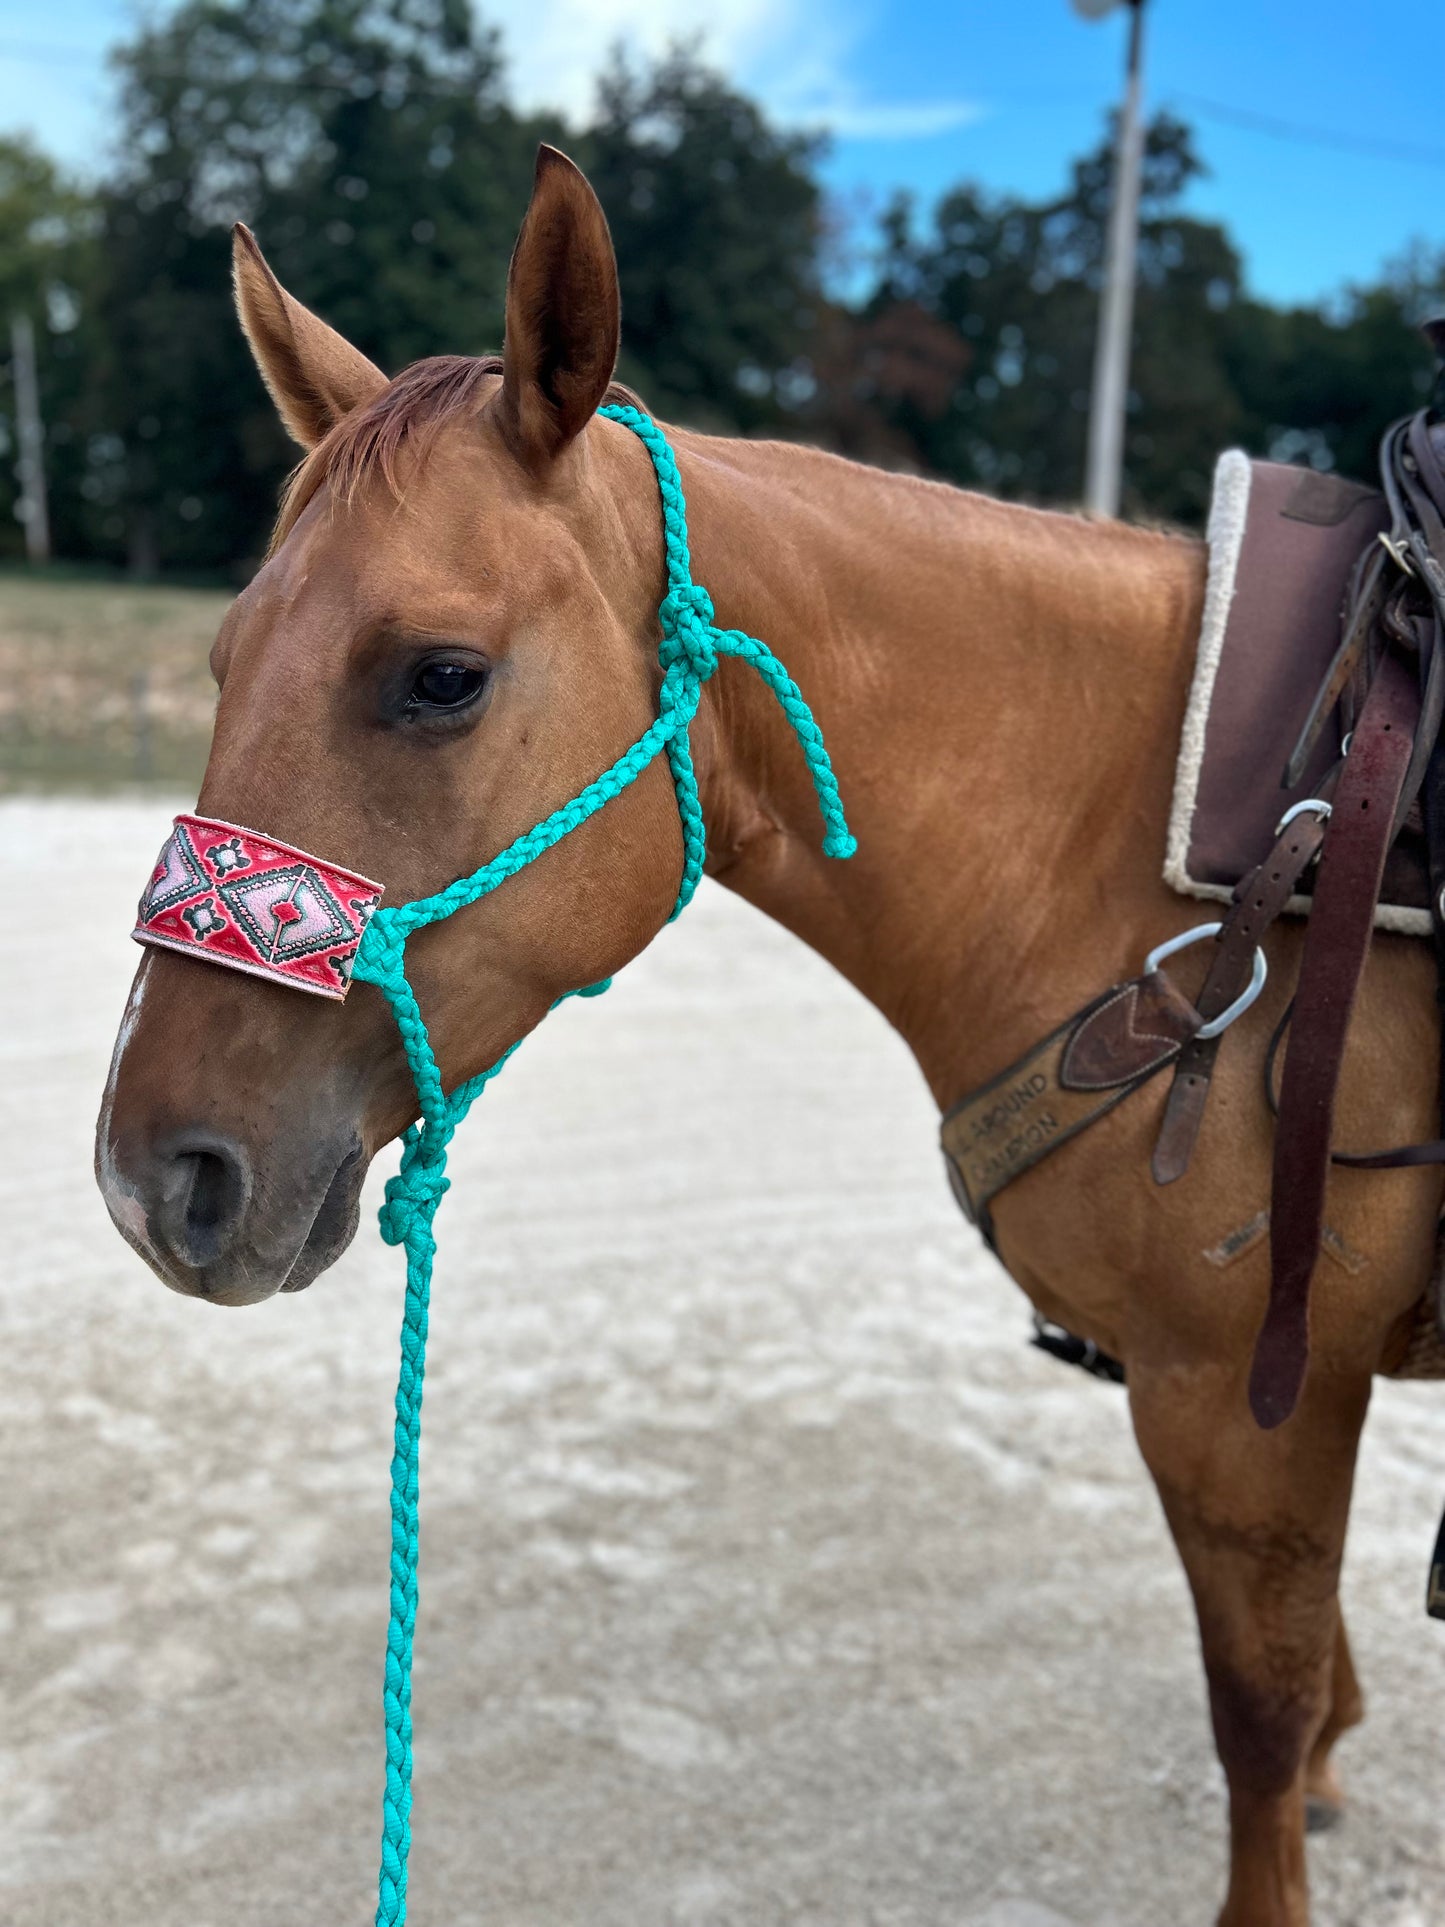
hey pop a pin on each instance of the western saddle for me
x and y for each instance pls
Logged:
(1385, 692)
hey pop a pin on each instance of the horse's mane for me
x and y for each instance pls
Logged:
(410, 410)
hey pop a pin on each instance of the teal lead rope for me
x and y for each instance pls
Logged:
(689, 651)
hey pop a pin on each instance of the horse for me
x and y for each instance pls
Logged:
(455, 629)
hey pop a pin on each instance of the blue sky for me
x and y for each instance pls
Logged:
(925, 94)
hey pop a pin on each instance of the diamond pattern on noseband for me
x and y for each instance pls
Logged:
(287, 913)
(177, 878)
(238, 898)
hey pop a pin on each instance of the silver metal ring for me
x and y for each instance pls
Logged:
(1216, 1026)
(1321, 808)
(1397, 553)
(1181, 942)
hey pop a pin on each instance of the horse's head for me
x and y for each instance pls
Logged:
(453, 634)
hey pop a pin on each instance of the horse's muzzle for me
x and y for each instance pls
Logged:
(192, 1205)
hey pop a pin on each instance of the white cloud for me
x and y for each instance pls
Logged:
(555, 48)
(891, 121)
(792, 55)
(803, 59)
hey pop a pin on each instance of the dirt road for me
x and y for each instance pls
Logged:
(767, 1576)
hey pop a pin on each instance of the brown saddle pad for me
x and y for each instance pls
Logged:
(1282, 544)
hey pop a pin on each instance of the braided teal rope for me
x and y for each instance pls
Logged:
(689, 652)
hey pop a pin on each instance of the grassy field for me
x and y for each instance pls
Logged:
(104, 683)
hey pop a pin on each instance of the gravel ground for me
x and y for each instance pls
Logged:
(767, 1575)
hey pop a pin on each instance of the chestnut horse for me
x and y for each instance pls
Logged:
(456, 630)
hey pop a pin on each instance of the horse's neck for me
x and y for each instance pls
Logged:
(1001, 692)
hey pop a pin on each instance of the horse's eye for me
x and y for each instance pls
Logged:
(445, 685)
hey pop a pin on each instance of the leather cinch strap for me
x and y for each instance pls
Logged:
(1351, 868)
(1076, 1074)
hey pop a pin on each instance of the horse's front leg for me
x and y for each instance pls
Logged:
(1259, 1519)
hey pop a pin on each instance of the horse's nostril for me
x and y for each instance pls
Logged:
(204, 1193)
(206, 1209)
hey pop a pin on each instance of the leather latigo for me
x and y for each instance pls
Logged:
(1351, 865)
(1397, 741)
(1080, 1071)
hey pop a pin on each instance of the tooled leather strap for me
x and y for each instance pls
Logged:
(1076, 1074)
(1259, 899)
(1352, 864)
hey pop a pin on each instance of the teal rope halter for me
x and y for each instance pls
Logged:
(689, 652)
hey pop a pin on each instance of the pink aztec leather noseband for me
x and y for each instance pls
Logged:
(232, 896)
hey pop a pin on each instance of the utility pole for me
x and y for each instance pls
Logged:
(1110, 398)
(30, 467)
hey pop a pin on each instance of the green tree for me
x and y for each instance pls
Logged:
(1211, 366)
(372, 148)
(717, 220)
(1320, 384)
(1019, 283)
(369, 144)
(46, 229)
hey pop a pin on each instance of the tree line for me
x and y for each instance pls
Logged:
(373, 147)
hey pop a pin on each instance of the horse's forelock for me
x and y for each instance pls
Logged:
(411, 409)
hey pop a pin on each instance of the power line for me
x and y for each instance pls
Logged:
(1300, 131)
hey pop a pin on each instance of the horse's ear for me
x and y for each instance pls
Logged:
(314, 374)
(564, 317)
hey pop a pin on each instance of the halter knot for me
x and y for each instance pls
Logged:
(412, 1197)
(688, 631)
